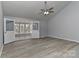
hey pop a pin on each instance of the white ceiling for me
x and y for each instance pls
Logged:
(30, 9)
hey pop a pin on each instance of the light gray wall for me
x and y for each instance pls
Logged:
(65, 24)
(1, 24)
(43, 28)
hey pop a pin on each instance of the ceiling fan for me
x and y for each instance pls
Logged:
(46, 11)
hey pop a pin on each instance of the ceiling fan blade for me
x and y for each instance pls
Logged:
(50, 8)
(40, 13)
(51, 11)
(42, 10)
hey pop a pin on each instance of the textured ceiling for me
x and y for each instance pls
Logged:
(30, 9)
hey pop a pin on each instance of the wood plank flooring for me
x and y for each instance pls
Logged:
(41, 48)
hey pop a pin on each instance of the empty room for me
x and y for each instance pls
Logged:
(39, 29)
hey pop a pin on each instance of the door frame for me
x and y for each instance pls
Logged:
(4, 25)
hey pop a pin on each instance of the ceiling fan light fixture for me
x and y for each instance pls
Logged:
(46, 13)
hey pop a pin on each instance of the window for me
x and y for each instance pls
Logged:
(9, 25)
(28, 28)
(23, 28)
(17, 30)
(35, 26)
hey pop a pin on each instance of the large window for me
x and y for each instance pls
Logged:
(17, 28)
(28, 28)
(23, 28)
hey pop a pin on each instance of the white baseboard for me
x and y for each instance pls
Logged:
(43, 36)
(64, 38)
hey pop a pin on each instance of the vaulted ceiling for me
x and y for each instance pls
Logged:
(30, 9)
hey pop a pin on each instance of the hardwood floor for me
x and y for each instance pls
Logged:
(41, 48)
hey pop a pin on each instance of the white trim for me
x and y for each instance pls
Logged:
(64, 38)
(43, 36)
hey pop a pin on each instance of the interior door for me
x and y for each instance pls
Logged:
(35, 30)
(9, 33)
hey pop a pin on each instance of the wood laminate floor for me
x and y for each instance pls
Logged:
(41, 48)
